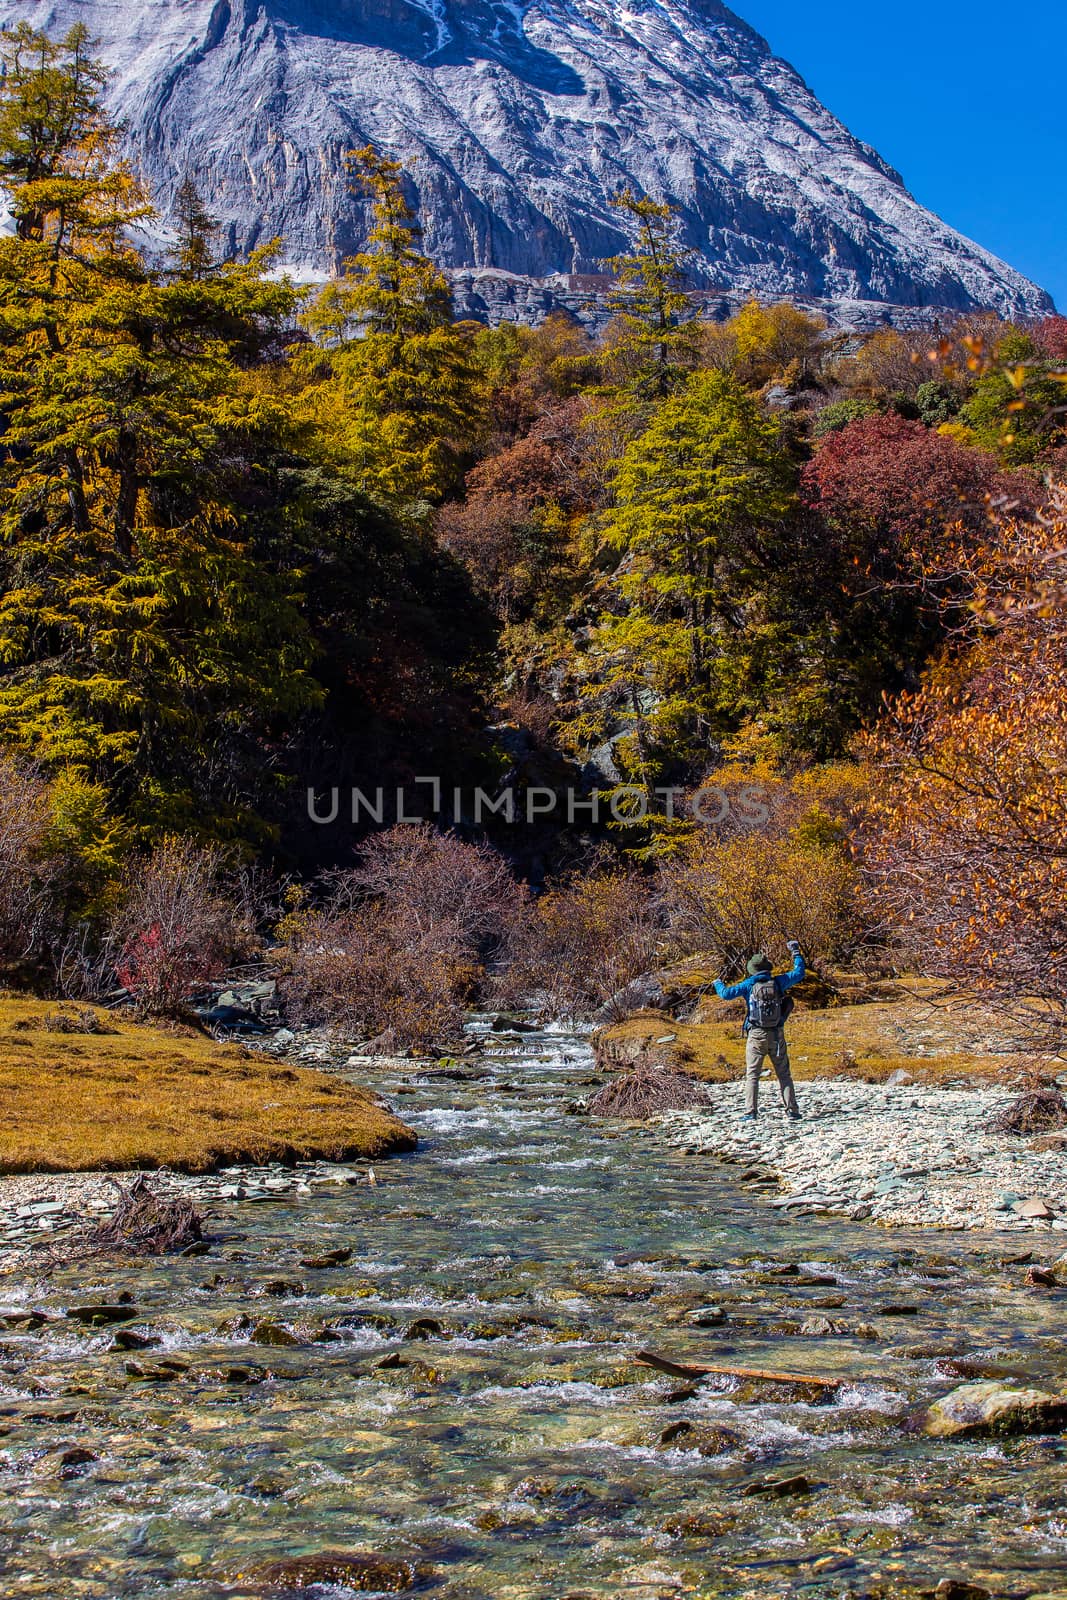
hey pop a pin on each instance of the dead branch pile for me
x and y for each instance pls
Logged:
(645, 1091)
(145, 1224)
(1036, 1111)
(83, 1020)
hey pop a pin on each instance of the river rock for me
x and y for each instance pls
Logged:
(329, 1258)
(73, 1462)
(358, 1570)
(707, 1317)
(126, 1339)
(99, 1316)
(424, 1328)
(823, 1328)
(272, 1333)
(66, 1463)
(990, 1409)
(1041, 1278)
(689, 1525)
(706, 1440)
(780, 1488)
(504, 1022)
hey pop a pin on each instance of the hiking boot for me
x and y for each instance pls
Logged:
(750, 1116)
(794, 1116)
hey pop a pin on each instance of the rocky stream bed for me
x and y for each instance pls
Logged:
(431, 1383)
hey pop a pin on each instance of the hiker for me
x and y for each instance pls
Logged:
(768, 1004)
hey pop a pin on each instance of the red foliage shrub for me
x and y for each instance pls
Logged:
(510, 532)
(965, 838)
(500, 540)
(177, 927)
(1050, 336)
(546, 464)
(897, 487)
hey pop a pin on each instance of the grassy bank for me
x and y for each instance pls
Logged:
(918, 1027)
(138, 1096)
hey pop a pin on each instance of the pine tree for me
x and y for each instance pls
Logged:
(652, 338)
(397, 384)
(692, 495)
(196, 229)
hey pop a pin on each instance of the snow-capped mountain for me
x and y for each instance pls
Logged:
(519, 120)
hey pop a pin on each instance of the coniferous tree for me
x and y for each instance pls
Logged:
(141, 638)
(196, 228)
(692, 493)
(398, 388)
(653, 343)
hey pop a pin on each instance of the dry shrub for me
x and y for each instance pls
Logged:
(1037, 1111)
(28, 910)
(646, 1091)
(84, 1020)
(177, 928)
(399, 944)
(731, 897)
(368, 974)
(439, 882)
(585, 941)
(145, 1224)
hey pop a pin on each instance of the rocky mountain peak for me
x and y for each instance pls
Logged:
(519, 119)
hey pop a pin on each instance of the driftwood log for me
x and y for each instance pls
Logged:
(685, 1369)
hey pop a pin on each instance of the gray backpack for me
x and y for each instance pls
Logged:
(765, 1008)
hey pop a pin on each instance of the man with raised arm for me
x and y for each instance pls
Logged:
(767, 1005)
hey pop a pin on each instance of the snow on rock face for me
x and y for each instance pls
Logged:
(520, 119)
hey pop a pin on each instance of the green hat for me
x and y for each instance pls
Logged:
(757, 965)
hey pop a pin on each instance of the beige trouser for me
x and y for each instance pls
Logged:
(768, 1042)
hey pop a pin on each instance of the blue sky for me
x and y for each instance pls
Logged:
(964, 97)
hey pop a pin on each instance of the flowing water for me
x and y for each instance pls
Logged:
(464, 1392)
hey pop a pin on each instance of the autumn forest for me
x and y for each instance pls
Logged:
(261, 541)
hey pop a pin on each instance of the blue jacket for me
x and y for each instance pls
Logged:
(741, 991)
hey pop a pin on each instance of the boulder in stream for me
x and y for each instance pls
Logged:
(358, 1570)
(991, 1409)
(272, 1333)
(98, 1316)
(781, 1488)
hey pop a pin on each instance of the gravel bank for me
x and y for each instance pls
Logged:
(904, 1156)
(40, 1210)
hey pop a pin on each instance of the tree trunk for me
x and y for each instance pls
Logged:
(129, 486)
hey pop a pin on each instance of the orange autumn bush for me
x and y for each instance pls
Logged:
(966, 837)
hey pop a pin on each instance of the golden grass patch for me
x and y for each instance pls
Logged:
(151, 1097)
(868, 1041)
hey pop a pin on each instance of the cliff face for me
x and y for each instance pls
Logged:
(519, 121)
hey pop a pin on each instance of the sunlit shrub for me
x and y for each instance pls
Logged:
(585, 940)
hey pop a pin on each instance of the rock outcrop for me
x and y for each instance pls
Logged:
(519, 120)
